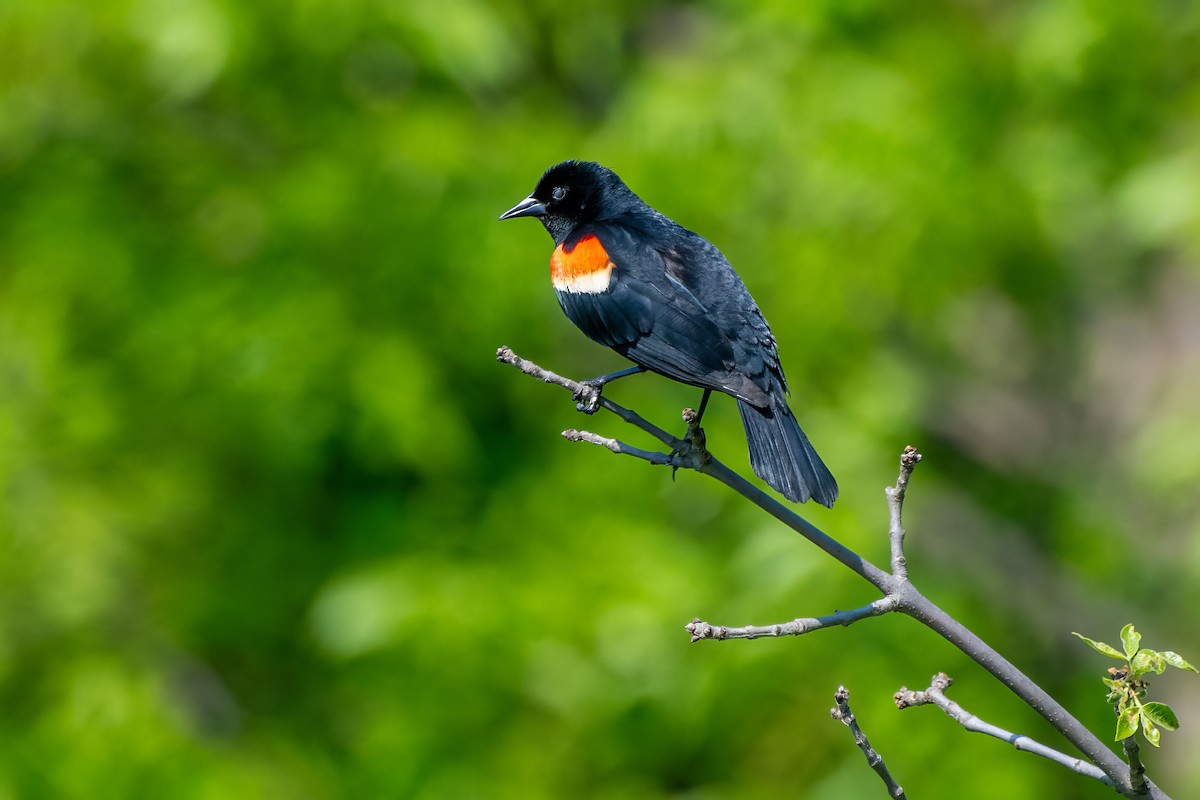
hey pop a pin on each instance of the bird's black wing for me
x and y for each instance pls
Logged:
(698, 265)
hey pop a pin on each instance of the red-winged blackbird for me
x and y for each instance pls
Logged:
(666, 299)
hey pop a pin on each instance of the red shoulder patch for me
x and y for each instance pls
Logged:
(585, 267)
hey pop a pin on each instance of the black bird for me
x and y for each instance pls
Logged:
(666, 299)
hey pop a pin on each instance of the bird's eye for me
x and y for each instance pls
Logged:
(559, 193)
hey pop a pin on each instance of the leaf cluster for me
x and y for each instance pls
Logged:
(1127, 686)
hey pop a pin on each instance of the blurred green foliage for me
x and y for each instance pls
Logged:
(274, 524)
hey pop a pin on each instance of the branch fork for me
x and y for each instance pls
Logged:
(935, 695)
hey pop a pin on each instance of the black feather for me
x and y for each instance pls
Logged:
(782, 456)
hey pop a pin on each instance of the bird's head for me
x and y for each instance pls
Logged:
(575, 193)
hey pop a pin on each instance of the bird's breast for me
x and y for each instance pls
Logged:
(581, 268)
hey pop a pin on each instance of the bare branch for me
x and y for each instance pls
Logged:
(506, 356)
(797, 627)
(936, 695)
(843, 713)
(572, 435)
(895, 495)
(690, 454)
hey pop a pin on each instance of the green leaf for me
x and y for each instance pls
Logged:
(1176, 660)
(1127, 724)
(1152, 733)
(1147, 661)
(1160, 714)
(1131, 639)
(1100, 647)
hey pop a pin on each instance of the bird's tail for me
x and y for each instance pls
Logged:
(782, 456)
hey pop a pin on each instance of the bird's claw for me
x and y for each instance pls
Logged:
(587, 399)
(692, 451)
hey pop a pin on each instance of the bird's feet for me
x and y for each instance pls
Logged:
(692, 451)
(587, 399)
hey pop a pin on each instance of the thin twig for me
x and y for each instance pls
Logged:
(690, 454)
(797, 627)
(505, 355)
(843, 713)
(572, 435)
(895, 496)
(936, 695)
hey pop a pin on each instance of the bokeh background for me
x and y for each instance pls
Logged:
(275, 524)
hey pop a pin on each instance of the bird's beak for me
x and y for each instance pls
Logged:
(529, 207)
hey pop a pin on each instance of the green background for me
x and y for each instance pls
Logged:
(275, 524)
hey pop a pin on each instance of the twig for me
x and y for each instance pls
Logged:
(797, 627)
(895, 496)
(936, 695)
(572, 435)
(690, 454)
(906, 597)
(843, 713)
(506, 356)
